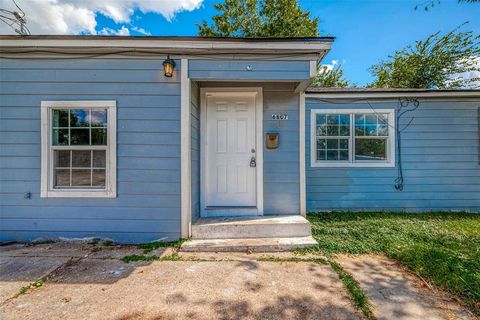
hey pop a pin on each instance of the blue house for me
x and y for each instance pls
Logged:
(138, 139)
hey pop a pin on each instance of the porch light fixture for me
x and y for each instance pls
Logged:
(168, 66)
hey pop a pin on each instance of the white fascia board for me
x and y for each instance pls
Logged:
(186, 45)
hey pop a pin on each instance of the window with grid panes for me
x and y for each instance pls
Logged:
(353, 138)
(79, 152)
(79, 144)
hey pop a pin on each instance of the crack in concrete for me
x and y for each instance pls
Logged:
(50, 275)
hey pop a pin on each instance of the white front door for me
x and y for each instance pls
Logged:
(230, 147)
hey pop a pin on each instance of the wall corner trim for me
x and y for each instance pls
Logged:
(301, 123)
(185, 152)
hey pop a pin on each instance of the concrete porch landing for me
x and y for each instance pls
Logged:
(253, 234)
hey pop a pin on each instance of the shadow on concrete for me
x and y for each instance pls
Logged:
(285, 307)
(62, 262)
(173, 290)
(398, 294)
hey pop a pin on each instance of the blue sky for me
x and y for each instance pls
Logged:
(366, 31)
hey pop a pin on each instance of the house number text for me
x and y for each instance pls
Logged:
(279, 116)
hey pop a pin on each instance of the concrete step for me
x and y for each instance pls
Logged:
(251, 227)
(248, 245)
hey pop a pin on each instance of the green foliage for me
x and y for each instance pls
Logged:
(431, 63)
(43, 241)
(94, 241)
(136, 257)
(331, 78)
(370, 148)
(149, 247)
(356, 293)
(108, 243)
(34, 285)
(429, 4)
(443, 248)
(261, 19)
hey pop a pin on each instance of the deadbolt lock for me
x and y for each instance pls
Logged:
(253, 162)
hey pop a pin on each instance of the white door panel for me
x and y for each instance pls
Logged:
(230, 145)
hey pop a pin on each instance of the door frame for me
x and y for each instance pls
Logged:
(234, 91)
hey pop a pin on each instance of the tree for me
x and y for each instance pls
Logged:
(261, 19)
(331, 78)
(432, 3)
(431, 63)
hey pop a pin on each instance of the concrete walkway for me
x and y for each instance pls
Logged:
(398, 294)
(86, 281)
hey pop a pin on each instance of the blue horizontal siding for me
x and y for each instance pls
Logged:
(90, 64)
(31, 150)
(240, 65)
(126, 200)
(146, 138)
(93, 76)
(281, 164)
(113, 213)
(128, 101)
(142, 188)
(120, 237)
(249, 75)
(125, 175)
(88, 225)
(440, 160)
(132, 162)
(260, 70)
(118, 89)
(148, 150)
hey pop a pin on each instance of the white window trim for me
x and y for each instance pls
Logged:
(391, 146)
(47, 190)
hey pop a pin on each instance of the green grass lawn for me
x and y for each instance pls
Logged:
(443, 248)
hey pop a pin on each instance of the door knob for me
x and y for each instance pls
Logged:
(253, 162)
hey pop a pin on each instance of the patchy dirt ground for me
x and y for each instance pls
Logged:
(85, 281)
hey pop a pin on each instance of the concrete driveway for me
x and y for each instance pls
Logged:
(89, 281)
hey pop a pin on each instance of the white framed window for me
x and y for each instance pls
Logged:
(78, 149)
(352, 138)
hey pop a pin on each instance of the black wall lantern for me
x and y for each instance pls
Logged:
(168, 66)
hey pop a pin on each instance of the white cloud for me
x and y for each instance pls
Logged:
(74, 17)
(141, 30)
(470, 74)
(123, 31)
(329, 66)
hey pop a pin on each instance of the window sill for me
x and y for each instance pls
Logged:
(78, 194)
(352, 165)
